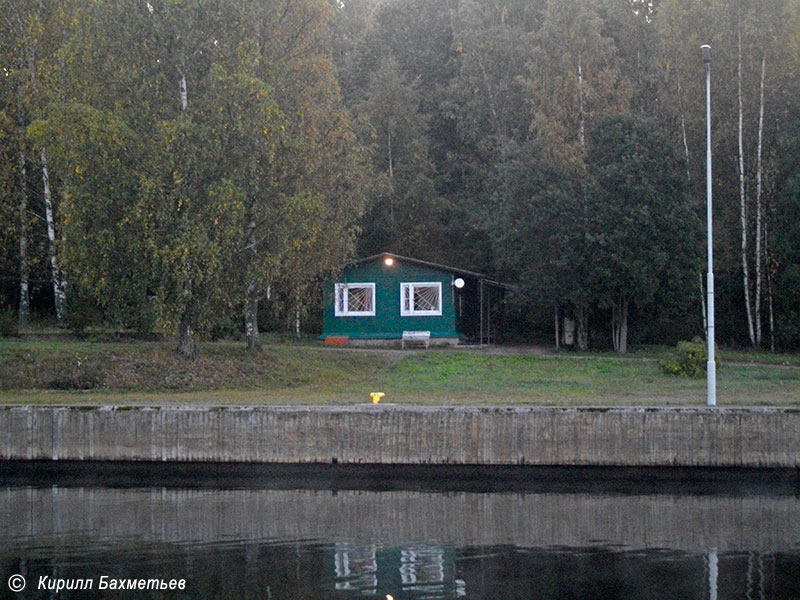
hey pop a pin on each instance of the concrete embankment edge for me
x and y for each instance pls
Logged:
(386, 434)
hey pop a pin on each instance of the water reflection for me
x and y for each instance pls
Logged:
(356, 568)
(262, 543)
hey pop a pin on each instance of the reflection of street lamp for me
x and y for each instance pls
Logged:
(711, 366)
(713, 574)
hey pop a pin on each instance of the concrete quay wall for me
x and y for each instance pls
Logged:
(388, 434)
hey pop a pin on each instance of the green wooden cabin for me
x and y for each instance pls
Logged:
(378, 298)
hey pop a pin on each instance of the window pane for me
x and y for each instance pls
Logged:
(359, 299)
(426, 298)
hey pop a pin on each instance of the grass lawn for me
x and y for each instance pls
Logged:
(72, 372)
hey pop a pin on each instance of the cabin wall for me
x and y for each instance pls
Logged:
(388, 323)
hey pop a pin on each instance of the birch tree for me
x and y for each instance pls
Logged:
(305, 190)
(9, 198)
(23, 220)
(743, 216)
(32, 34)
(772, 28)
(104, 249)
(59, 283)
(150, 65)
(535, 246)
(732, 28)
(638, 193)
(183, 168)
(573, 77)
(761, 29)
(14, 75)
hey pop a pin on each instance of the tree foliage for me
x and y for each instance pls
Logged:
(644, 234)
(185, 134)
(208, 155)
(506, 113)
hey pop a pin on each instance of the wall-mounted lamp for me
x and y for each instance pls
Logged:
(388, 261)
(458, 282)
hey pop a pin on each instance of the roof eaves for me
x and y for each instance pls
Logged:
(473, 274)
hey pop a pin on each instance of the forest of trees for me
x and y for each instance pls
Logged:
(201, 165)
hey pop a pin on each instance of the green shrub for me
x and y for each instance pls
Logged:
(81, 310)
(689, 359)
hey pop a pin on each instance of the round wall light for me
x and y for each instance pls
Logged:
(389, 261)
(459, 283)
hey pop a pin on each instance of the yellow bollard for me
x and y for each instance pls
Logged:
(376, 396)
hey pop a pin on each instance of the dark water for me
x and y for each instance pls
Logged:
(287, 539)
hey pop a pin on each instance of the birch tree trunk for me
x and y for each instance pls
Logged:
(743, 198)
(24, 264)
(582, 326)
(253, 292)
(297, 315)
(759, 211)
(251, 317)
(488, 84)
(683, 133)
(582, 311)
(582, 117)
(619, 325)
(187, 345)
(771, 315)
(389, 148)
(58, 284)
(769, 273)
(24, 313)
(558, 327)
(391, 172)
(183, 92)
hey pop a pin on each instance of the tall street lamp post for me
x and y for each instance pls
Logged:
(711, 366)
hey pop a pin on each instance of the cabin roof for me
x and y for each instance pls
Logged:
(480, 276)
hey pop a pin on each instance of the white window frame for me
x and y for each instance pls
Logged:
(410, 312)
(340, 300)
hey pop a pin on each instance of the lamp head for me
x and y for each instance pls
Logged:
(706, 49)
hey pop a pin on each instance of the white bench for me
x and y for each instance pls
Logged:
(416, 336)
